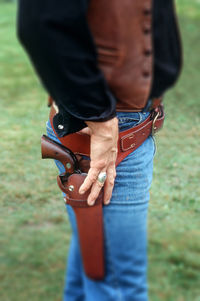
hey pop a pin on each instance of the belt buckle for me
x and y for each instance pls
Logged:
(154, 128)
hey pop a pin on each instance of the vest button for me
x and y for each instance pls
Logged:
(146, 73)
(148, 52)
(147, 30)
(147, 11)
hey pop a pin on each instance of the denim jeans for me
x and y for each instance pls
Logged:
(125, 229)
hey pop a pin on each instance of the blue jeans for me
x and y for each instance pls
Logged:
(125, 230)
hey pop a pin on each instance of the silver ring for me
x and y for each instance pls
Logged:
(102, 177)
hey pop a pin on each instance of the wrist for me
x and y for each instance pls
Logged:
(103, 127)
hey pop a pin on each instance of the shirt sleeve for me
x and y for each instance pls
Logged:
(58, 40)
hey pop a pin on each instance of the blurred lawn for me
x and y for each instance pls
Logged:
(34, 231)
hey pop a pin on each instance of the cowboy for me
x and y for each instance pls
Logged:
(107, 65)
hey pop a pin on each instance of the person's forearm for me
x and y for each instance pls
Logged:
(59, 43)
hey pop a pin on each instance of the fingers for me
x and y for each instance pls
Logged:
(96, 188)
(110, 181)
(109, 184)
(89, 180)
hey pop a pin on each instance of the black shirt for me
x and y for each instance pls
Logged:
(57, 38)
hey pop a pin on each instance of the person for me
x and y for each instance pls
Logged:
(106, 64)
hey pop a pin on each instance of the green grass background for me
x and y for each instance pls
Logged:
(34, 230)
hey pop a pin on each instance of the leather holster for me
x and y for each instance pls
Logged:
(89, 222)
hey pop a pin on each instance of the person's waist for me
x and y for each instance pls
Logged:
(151, 104)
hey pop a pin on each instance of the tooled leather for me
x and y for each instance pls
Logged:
(122, 33)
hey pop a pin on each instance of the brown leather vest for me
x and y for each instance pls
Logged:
(122, 33)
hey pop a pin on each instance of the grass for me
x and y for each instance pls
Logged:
(34, 231)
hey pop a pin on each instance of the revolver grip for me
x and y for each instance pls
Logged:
(53, 150)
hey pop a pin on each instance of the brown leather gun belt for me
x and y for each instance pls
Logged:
(128, 141)
(90, 218)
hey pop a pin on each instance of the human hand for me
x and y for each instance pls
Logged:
(103, 154)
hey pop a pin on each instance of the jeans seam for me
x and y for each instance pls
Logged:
(130, 119)
(49, 129)
(116, 282)
(125, 122)
(155, 147)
